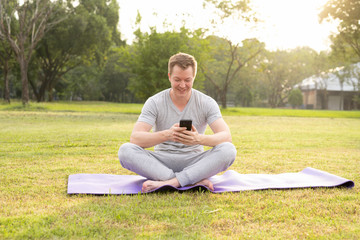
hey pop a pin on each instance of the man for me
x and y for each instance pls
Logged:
(179, 158)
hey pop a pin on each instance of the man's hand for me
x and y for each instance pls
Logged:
(180, 134)
(219, 127)
(142, 136)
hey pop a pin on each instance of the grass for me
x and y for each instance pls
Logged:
(82, 106)
(289, 113)
(108, 107)
(41, 147)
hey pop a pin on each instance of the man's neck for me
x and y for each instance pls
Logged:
(180, 102)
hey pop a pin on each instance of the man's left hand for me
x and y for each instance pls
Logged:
(188, 137)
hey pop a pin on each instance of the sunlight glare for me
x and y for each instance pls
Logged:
(286, 24)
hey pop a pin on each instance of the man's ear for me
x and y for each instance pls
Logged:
(169, 76)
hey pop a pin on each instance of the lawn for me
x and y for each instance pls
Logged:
(107, 107)
(40, 146)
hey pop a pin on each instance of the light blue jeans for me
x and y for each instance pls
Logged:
(188, 168)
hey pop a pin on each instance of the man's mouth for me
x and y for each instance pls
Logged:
(182, 90)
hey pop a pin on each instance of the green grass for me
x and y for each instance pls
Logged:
(85, 106)
(232, 111)
(40, 148)
(81, 106)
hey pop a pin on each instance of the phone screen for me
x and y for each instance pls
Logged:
(186, 123)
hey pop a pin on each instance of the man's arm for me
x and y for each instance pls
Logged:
(142, 136)
(221, 134)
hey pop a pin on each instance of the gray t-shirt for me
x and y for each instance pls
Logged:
(160, 112)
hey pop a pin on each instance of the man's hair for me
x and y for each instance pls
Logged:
(182, 60)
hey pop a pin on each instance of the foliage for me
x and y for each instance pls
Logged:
(295, 98)
(348, 13)
(148, 59)
(281, 70)
(226, 60)
(6, 63)
(81, 56)
(7, 59)
(232, 54)
(82, 83)
(227, 8)
(34, 19)
(355, 72)
(83, 37)
(115, 77)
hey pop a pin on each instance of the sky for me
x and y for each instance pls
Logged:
(285, 24)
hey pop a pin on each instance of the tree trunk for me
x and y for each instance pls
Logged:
(42, 91)
(272, 99)
(324, 101)
(24, 81)
(37, 95)
(50, 95)
(341, 104)
(6, 82)
(223, 99)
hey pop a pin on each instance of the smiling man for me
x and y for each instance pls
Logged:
(179, 158)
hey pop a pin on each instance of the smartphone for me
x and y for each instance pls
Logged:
(186, 123)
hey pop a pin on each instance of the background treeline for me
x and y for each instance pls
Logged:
(67, 50)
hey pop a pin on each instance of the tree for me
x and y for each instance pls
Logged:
(228, 8)
(6, 52)
(224, 10)
(348, 13)
(342, 76)
(148, 59)
(275, 77)
(295, 98)
(115, 77)
(6, 56)
(322, 63)
(84, 36)
(34, 20)
(355, 73)
(227, 60)
(82, 83)
(281, 70)
(245, 90)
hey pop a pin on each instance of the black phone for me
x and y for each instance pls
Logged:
(186, 123)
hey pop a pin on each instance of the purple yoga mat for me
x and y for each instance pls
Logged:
(230, 181)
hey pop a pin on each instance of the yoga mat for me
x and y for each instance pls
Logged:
(230, 181)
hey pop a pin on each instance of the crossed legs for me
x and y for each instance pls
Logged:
(162, 168)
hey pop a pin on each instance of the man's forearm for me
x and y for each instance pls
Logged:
(215, 139)
(149, 139)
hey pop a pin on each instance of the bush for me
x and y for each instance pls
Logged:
(295, 98)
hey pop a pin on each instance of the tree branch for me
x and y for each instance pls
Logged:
(211, 80)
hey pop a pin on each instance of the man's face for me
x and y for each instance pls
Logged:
(181, 81)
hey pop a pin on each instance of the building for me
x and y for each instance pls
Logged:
(339, 89)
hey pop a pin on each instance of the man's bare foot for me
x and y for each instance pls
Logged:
(151, 185)
(206, 183)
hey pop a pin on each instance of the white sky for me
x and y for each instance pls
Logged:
(285, 24)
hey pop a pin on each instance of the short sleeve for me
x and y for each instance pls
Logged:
(213, 111)
(148, 112)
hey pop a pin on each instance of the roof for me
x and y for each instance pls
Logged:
(330, 80)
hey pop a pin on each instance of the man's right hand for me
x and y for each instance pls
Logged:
(175, 131)
(142, 136)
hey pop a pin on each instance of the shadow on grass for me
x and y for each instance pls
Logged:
(24, 108)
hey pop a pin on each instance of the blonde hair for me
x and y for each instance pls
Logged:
(182, 60)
